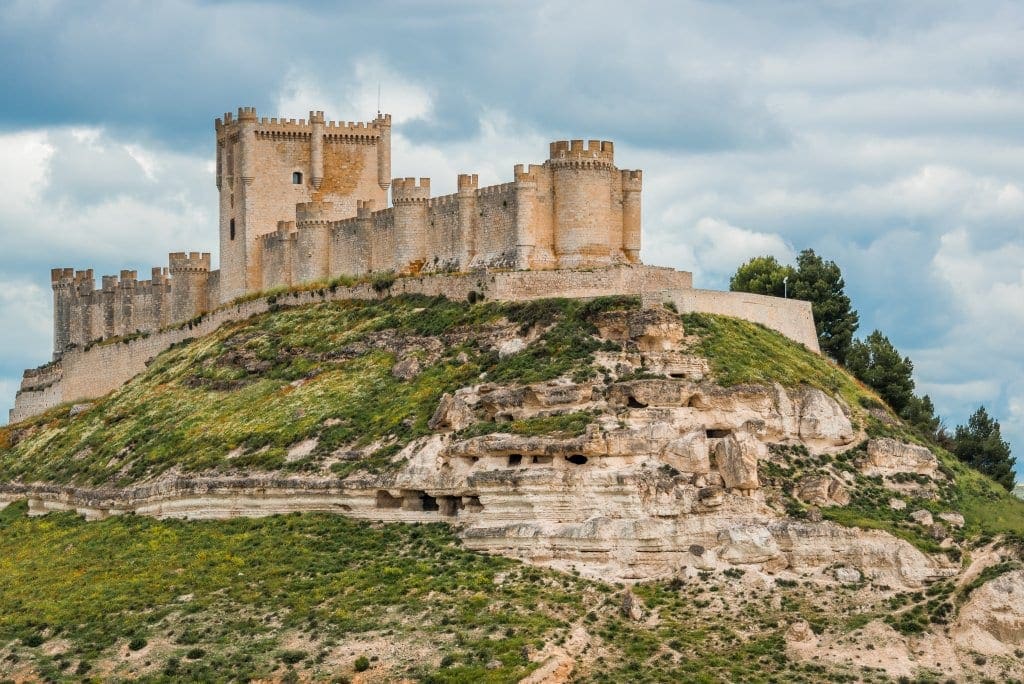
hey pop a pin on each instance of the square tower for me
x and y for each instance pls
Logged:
(267, 166)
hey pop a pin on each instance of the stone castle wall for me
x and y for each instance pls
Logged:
(88, 373)
(791, 317)
(574, 211)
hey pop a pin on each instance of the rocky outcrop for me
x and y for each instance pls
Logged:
(992, 620)
(822, 490)
(736, 457)
(452, 414)
(886, 456)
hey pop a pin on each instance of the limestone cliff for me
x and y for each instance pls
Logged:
(617, 442)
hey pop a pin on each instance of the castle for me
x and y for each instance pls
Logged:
(304, 201)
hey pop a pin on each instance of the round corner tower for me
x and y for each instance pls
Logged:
(582, 181)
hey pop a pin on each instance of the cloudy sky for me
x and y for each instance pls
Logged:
(888, 136)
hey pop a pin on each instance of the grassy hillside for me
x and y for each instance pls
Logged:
(273, 597)
(238, 399)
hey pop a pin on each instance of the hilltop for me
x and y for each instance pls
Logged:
(664, 497)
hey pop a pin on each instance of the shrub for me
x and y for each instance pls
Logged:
(362, 664)
(137, 644)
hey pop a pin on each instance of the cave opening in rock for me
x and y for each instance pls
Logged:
(385, 500)
(718, 434)
(577, 459)
(429, 502)
(543, 460)
(514, 460)
(634, 403)
(450, 505)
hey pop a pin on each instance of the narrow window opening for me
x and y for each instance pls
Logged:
(232, 228)
(297, 178)
(578, 459)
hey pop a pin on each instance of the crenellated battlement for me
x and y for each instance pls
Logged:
(185, 262)
(632, 180)
(364, 208)
(593, 150)
(307, 213)
(492, 190)
(274, 128)
(468, 182)
(408, 190)
(62, 277)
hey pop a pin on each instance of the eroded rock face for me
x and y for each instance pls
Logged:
(736, 457)
(452, 414)
(822, 419)
(748, 544)
(886, 456)
(652, 330)
(992, 620)
(822, 490)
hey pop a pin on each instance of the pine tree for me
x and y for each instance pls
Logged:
(879, 365)
(821, 283)
(762, 275)
(980, 444)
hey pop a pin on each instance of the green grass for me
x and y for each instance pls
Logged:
(253, 389)
(565, 425)
(103, 584)
(742, 352)
(258, 598)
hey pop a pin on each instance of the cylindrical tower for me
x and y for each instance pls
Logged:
(316, 148)
(63, 282)
(109, 306)
(124, 316)
(526, 241)
(383, 124)
(632, 184)
(468, 184)
(363, 261)
(410, 210)
(189, 275)
(247, 143)
(312, 244)
(583, 201)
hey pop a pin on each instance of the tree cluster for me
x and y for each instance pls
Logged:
(873, 360)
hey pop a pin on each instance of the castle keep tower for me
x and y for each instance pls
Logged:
(265, 167)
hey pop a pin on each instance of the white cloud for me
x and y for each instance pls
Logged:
(712, 248)
(24, 163)
(8, 387)
(25, 307)
(355, 95)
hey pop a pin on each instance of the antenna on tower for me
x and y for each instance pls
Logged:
(378, 98)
